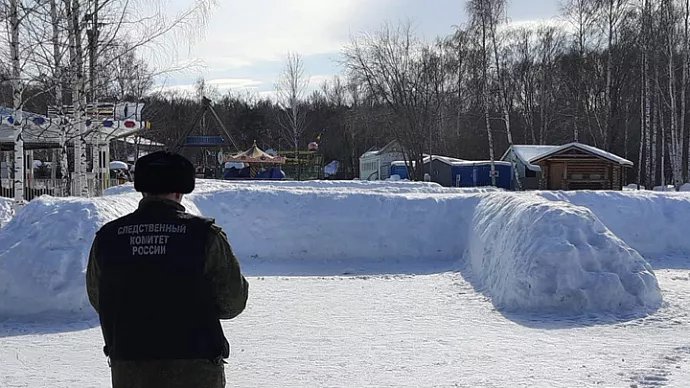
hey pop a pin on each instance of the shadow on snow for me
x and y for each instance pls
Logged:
(548, 320)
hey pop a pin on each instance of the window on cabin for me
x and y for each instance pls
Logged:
(530, 173)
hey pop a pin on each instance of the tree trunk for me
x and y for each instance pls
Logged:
(662, 127)
(675, 145)
(684, 87)
(655, 154)
(19, 160)
(78, 97)
(485, 91)
(609, 69)
(643, 123)
(58, 83)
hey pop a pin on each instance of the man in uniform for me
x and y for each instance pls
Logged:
(161, 280)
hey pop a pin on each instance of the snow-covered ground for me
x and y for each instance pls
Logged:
(388, 284)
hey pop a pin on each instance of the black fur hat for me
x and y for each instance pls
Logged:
(164, 172)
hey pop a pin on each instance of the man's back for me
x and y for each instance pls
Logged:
(160, 280)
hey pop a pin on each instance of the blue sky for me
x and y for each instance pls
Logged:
(246, 40)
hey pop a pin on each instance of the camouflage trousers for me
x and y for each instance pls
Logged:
(168, 374)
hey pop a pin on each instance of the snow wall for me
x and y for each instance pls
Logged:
(526, 251)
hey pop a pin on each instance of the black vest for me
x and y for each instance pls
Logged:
(154, 302)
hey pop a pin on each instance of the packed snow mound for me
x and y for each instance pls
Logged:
(384, 187)
(265, 223)
(653, 223)
(533, 255)
(5, 211)
(45, 248)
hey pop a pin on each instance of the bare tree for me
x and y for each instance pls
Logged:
(392, 64)
(482, 22)
(291, 90)
(17, 90)
(676, 140)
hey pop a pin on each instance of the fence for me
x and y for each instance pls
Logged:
(34, 188)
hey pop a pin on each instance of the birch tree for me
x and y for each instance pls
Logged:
(291, 90)
(481, 21)
(675, 146)
(17, 90)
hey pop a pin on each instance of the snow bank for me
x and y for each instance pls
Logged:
(44, 251)
(653, 223)
(385, 187)
(324, 226)
(533, 255)
(551, 247)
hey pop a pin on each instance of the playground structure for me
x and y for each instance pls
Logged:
(254, 162)
(303, 165)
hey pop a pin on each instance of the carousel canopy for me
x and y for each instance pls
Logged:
(255, 155)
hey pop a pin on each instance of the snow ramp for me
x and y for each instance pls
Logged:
(532, 255)
(526, 252)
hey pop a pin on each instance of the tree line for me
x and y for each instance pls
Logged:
(80, 52)
(609, 73)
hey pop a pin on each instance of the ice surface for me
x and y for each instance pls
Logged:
(515, 241)
(534, 255)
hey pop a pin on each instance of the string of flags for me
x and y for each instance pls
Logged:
(46, 122)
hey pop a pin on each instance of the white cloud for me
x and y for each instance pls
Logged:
(316, 81)
(222, 85)
(241, 33)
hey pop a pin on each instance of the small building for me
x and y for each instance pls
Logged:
(441, 169)
(453, 172)
(478, 174)
(376, 164)
(520, 156)
(573, 166)
(440, 172)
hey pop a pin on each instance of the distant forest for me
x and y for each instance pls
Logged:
(609, 73)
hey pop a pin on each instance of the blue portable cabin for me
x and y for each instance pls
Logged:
(400, 168)
(478, 174)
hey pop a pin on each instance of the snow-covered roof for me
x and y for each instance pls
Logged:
(528, 154)
(141, 141)
(475, 162)
(586, 148)
(444, 159)
(374, 152)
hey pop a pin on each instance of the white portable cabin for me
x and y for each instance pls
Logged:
(376, 164)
